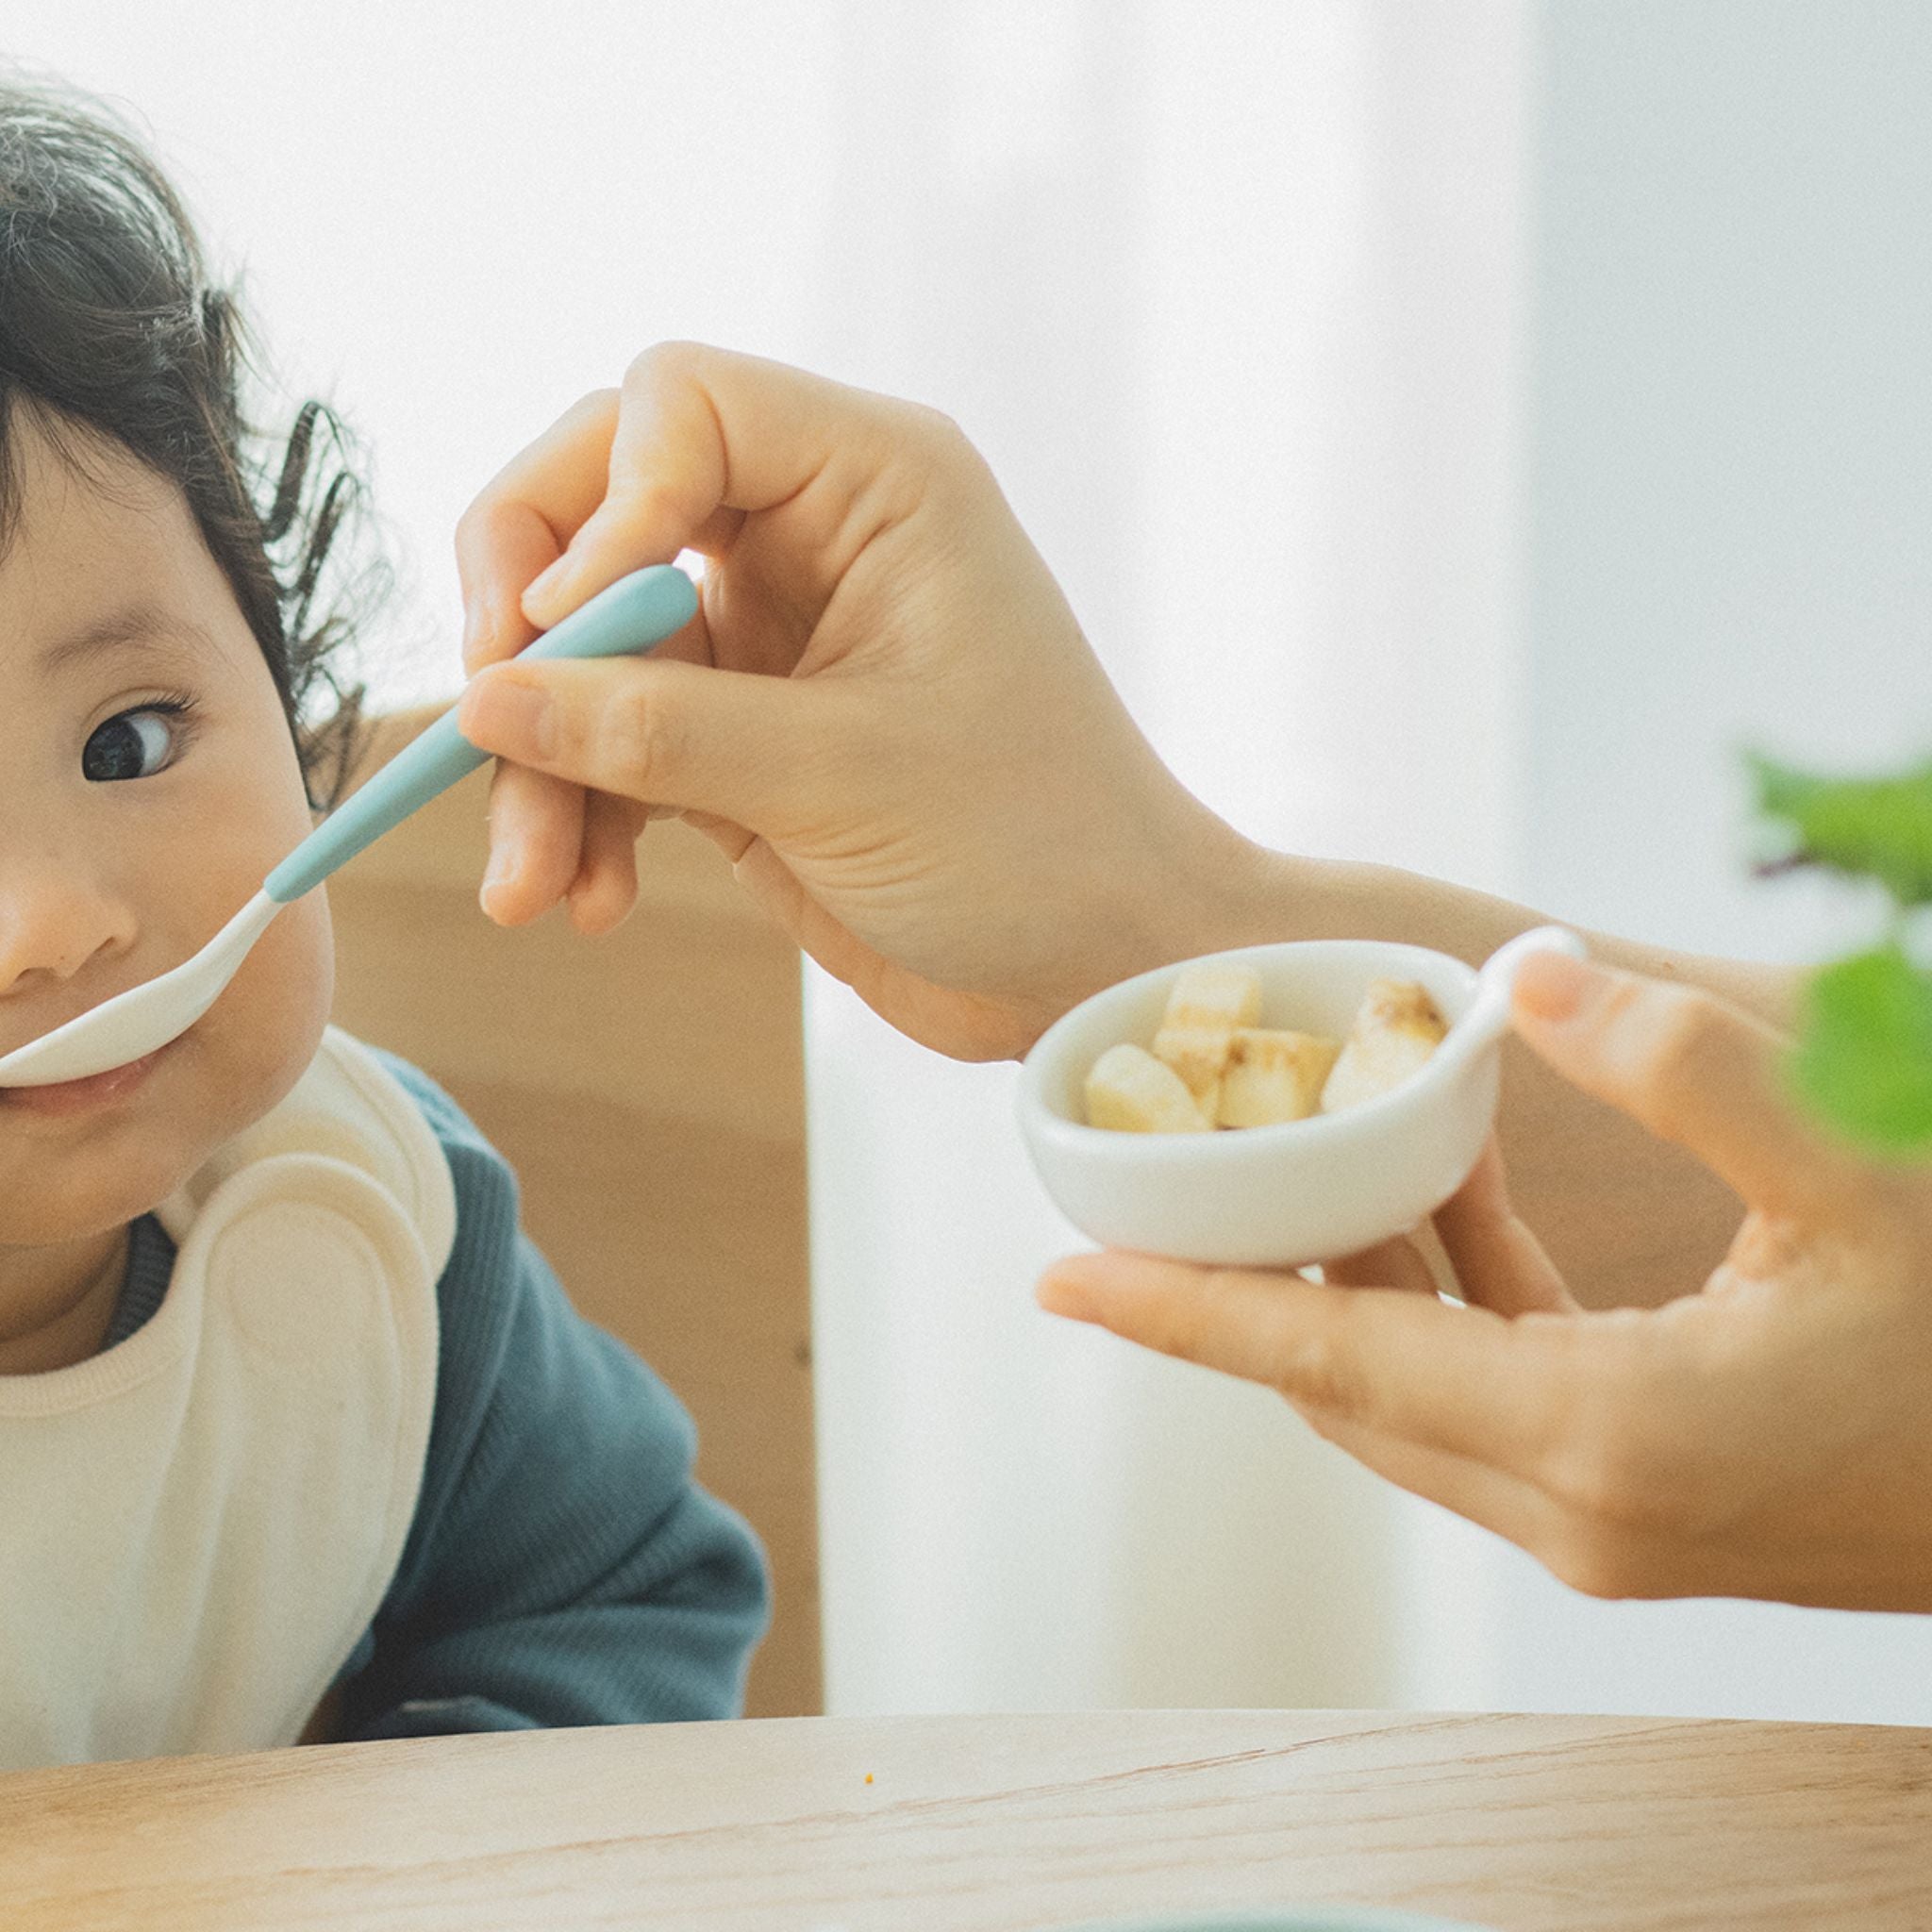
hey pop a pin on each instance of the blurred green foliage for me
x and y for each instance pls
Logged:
(1863, 1061)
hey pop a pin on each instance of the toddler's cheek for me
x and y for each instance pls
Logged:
(269, 1023)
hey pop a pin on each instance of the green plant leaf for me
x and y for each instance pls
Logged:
(1863, 1060)
(1878, 828)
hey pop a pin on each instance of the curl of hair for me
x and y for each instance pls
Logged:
(112, 330)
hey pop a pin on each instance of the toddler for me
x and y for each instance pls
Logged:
(298, 1434)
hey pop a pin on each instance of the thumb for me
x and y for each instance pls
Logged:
(731, 744)
(1688, 1066)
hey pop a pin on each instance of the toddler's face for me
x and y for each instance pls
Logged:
(147, 784)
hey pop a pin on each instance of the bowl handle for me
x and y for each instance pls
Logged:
(1487, 1018)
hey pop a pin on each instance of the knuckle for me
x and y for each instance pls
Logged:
(1620, 1474)
(1604, 1480)
(1180, 1333)
(1688, 1025)
(935, 435)
(1318, 1374)
(1677, 1033)
(940, 428)
(1324, 1422)
(665, 366)
(594, 402)
(477, 524)
(1624, 1467)
(929, 456)
(955, 452)
(1595, 1563)
(632, 740)
(653, 499)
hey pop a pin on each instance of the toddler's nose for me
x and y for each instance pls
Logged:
(53, 924)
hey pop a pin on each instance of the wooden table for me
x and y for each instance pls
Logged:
(992, 1824)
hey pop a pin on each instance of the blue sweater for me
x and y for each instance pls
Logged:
(563, 1568)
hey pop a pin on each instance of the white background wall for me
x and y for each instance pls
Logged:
(1728, 496)
(1162, 262)
(1456, 426)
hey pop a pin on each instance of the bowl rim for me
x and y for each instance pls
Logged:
(1050, 1049)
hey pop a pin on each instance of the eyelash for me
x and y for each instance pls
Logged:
(175, 704)
(178, 704)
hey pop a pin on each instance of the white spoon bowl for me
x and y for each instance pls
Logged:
(1305, 1191)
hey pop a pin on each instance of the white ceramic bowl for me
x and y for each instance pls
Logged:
(1306, 1191)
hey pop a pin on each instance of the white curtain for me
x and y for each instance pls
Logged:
(1228, 295)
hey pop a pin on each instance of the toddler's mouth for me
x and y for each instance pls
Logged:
(77, 1096)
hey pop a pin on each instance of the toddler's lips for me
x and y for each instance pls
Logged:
(77, 1096)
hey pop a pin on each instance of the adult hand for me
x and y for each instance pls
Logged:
(884, 712)
(1768, 1435)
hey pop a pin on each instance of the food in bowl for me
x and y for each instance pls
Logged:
(1396, 1029)
(1273, 1075)
(1212, 1066)
(1331, 1184)
(1211, 1002)
(1133, 1093)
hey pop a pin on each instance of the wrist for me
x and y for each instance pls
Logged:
(1211, 889)
(1246, 895)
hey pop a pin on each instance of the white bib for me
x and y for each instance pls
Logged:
(197, 1527)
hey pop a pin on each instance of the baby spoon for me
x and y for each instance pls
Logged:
(632, 615)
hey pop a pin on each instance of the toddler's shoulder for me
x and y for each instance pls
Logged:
(447, 1120)
(489, 1275)
(479, 1170)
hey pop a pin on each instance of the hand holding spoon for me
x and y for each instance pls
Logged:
(630, 616)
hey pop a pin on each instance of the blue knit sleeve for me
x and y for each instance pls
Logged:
(563, 1568)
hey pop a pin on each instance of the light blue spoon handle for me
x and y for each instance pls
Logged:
(632, 615)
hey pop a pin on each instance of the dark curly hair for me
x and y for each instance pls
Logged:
(109, 326)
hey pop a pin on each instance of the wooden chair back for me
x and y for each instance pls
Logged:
(648, 1089)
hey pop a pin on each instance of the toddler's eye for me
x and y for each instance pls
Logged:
(137, 744)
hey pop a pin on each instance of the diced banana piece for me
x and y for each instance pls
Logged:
(1214, 995)
(1207, 1005)
(1273, 1076)
(1197, 1054)
(1396, 1029)
(1132, 1092)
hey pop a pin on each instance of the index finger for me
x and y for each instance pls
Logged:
(1460, 1380)
(522, 519)
(522, 522)
(704, 438)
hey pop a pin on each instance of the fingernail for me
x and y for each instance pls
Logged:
(502, 871)
(515, 720)
(1551, 985)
